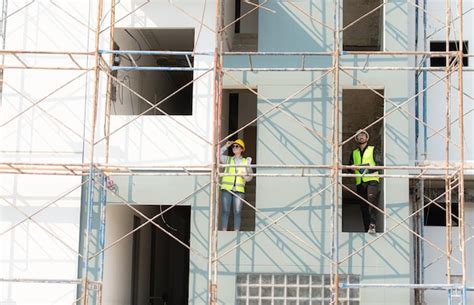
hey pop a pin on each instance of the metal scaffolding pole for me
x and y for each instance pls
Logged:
(461, 202)
(214, 196)
(110, 84)
(335, 158)
(448, 237)
(90, 185)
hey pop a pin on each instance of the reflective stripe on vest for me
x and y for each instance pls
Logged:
(229, 182)
(367, 158)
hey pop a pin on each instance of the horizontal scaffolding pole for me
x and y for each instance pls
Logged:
(143, 52)
(72, 68)
(190, 53)
(412, 286)
(330, 167)
(348, 68)
(343, 53)
(328, 175)
(82, 169)
(8, 52)
(42, 281)
(235, 69)
(157, 68)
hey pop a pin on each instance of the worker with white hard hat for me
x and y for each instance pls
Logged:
(367, 180)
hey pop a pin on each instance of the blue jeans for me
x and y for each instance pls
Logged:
(229, 200)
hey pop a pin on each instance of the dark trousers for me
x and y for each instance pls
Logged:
(370, 192)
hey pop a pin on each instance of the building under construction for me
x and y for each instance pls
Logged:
(114, 113)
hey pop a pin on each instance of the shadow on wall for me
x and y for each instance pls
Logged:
(288, 30)
(289, 135)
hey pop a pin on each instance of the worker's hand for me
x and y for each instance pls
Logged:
(229, 143)
(364, 171)
(242, 171)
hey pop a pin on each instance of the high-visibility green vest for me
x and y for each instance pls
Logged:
(229, 182)
(367, 158)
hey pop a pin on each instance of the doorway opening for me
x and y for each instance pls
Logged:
(242, 33)
(239, 107)
(360, 107)
(365, 34)
(148, 267)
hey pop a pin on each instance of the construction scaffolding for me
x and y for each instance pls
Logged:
(97, 173)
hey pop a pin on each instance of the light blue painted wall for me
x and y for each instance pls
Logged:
(281, 140)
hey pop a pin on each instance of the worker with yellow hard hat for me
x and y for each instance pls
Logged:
(367, 180)
(233, 185)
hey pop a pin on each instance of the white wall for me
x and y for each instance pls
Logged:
(159, 138)
(42, 248)
(50, 132)
(436, 100)
(436, 272)
(117, 287)
(229, 16)
(53, 131)
(119, 221)
(436, 95)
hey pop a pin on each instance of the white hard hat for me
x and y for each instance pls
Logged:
(362, 131)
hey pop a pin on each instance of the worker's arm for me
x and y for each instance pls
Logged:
(351, 162)
(378, 158)
(249, 170)
(224, 158)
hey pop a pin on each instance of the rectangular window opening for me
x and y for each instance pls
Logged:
(434, 213)
(440, 46)
(360, 108)
(163, 86)
(242, 34)
(239, 107)
(366, 33)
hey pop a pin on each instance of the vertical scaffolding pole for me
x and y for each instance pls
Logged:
(90, 184)
(335, 160)
(462, 215)
(3, 23)
(418, 203)
(425, 85)
(214, 196)
(3, 32)
(447, 181)
(108, 104)
(219, 63)
(101, 234)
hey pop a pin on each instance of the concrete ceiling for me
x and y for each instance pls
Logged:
(166, 39)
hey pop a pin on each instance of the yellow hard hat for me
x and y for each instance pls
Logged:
(241, 143)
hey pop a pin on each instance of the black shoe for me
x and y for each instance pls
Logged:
(371, 229)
